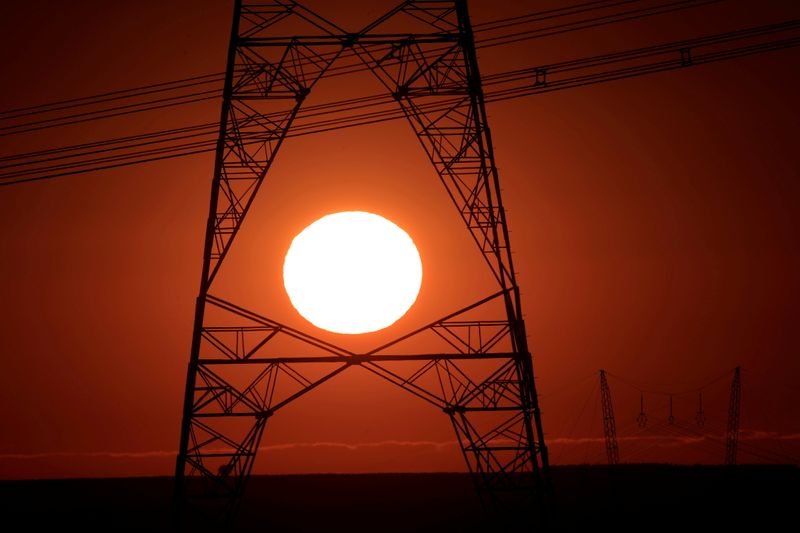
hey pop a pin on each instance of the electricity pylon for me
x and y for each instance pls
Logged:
(478, 371)
(609, 422)
(734, 408)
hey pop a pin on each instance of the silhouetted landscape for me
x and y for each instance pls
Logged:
(624, 497)
(322, 241)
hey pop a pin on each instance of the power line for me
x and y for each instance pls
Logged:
(338, 70)
(596, 22)
(113, 96)
(108, 142)
(548, 14)
(118, 111)
(373, 109)
(681, 392)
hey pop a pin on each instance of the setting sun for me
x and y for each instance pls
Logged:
(352, 272)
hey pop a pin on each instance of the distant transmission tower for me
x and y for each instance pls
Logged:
(609, 423)
(734, 408)
(479, 371)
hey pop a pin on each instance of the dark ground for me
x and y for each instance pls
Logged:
(627, 498)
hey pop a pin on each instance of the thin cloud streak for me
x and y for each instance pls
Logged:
(437, 445)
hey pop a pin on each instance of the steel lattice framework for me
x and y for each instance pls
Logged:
(479, 372)
(609, 422)
(734, 410)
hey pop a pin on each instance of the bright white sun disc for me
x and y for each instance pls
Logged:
(352, 272)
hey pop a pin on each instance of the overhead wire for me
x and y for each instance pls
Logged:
(331, 116)
(374, 117)
(548, 14)
(113, 95)
(662, 392)
(335, 70)
(108, 142)
(118, 111)
(378, 117)
(596, 22)
(569, 432)
(219, 76)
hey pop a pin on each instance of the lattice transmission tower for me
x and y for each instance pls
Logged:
(734, 410)
(478, 371)
(609, 422)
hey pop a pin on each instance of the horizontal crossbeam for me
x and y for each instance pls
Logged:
(359, 359)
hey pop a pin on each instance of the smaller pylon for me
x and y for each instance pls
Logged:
(641, 418)
(700, 416)
(734, 408)
(609, 423)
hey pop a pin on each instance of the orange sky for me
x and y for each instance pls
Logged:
(654, 222)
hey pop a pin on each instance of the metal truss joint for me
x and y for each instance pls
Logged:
(301, 93)
(350, 40)
(400, 93)
(451, 410)
(356, 359)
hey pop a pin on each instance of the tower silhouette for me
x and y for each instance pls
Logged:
(609, 422)
(734, 410)
(478, 371)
